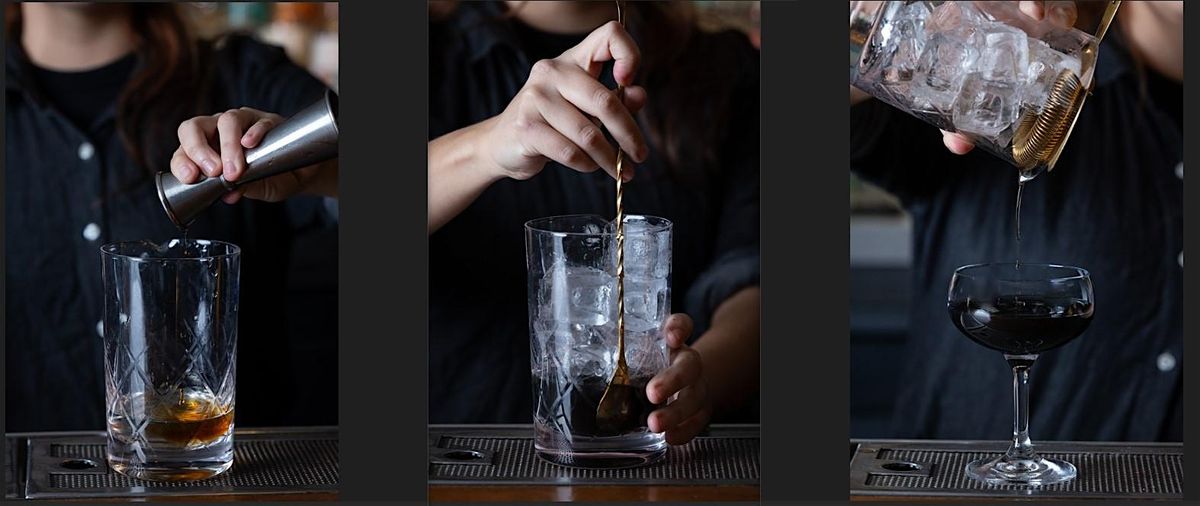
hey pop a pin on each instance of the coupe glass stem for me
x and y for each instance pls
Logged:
(1022, 447)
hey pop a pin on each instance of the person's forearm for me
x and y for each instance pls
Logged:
(456, 174)
(729, 351)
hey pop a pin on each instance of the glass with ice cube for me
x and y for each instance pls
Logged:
(573, 333)
(1012, 84)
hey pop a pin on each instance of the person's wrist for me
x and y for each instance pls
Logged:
(712, 385)
(481, 162)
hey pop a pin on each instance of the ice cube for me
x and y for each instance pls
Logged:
(590, 362)
(952, 15)
(1045, 63)
(554, 296)
(645, 352)
(590, 295)
(586, 350)
(1068, 41)
(576, 294)
(938, 78)
(985, 107)
(903, 64)
(1005, 53)
(918, 11)
(640, 254)
(909, 36)
(647, 251)
(662, 263)
(1078, 46)
(645, 303)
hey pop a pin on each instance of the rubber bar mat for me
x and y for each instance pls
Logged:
(266, 461)
(937, 468)
(726, 455)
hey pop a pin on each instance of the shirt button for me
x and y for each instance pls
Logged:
(86, 151)
(91, 232)
(100, 328)
(1179, 170)
(1166, 361)
(1180, 259)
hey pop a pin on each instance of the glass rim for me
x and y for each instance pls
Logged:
(537, 225)
(1079, 272)
(231, 250)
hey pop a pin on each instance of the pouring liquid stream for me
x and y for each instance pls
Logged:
(1017, 219)
(183, 245)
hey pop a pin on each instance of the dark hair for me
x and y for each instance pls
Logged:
(689, 75)
(169, 86)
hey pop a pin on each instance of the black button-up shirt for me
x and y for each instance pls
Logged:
(70, 189)
(1113, 205)
(478, 317)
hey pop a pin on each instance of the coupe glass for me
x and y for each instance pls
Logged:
(1021, 310)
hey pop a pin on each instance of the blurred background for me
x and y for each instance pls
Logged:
(743, 16)
(308, 31)
(880, 258)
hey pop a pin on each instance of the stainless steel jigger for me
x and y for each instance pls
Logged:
(309, 137)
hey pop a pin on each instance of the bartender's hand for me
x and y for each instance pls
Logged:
(216, 145)
(1062, 13)
(559, 112)
(689, 413)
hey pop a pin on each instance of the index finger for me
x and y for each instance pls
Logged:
(194, 137)
(677, 328)
(1035, 10)
(683, 371)
(1063, 13)
(593, 98)
(608, 43)
(230, 128)
(1059, 12)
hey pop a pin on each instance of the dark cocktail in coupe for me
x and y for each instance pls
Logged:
(1022, 324)
(1021, 310)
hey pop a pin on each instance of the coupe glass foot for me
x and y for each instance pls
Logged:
(1036, 471)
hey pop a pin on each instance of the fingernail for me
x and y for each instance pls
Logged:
(229, 167)
(210, 168)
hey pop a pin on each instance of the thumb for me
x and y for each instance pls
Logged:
(957, 143)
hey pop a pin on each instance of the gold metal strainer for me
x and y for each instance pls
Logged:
(1040, 137)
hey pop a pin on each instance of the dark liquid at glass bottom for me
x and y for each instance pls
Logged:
(584, 399)
(566, 431)
(1022, 325)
